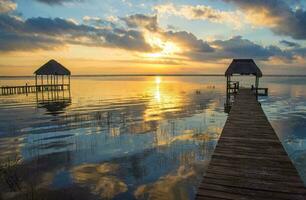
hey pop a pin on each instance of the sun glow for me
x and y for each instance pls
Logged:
(167, 48)
(158, 80)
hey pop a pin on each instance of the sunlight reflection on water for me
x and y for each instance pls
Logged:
(124, 137)
(134, 137)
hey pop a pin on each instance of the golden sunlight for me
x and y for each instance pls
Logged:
(167, 48)
(158, 80)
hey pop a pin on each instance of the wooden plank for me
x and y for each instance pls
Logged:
(249, 161)
(8, 90)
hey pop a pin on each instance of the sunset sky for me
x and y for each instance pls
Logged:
(152, 36)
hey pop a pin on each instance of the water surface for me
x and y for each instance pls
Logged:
(133, 137)
(119, 137)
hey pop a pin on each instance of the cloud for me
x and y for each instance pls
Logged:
(99, 22)
(200, 12)
(136, 33)
(141, 21)
(289, 44)
(16, 42)
(100, 179)
(57, 2)
(277, 15)
(238, 47)
(7, 6)
(173, 186)
(301, 52)
(188, 41)
(59, 31)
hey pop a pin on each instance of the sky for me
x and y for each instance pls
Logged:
(152, 36)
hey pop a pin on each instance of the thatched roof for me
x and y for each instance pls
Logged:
(52, 68)
(243, 67)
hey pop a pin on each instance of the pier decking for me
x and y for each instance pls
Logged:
(249, 161)
(24, 89)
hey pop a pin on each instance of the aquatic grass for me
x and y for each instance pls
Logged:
(9, 173)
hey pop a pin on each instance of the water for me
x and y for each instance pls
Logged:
(286, 110)
(132, 137)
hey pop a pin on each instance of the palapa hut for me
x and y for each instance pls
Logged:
(242, 67)
(52, 71)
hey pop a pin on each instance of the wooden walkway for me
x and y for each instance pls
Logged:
(24, 89)
(249, 161)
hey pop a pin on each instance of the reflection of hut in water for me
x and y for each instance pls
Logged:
(55, 88)
(241, 67)
(54, 101)
(52, 76)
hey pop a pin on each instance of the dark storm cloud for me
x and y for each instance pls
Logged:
(287, 21)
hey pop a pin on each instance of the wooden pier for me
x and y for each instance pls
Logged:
(25, 89)
(249, 161)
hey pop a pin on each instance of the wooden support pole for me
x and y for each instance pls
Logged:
(256, 85)
(227, 89)
(69, 82)
(42, 81)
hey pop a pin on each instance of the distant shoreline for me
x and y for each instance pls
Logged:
(139, 75)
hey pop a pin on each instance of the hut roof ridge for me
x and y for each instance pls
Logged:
(243, 67)
(52, 67)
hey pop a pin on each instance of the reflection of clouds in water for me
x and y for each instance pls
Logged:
(149, 128)
(11, 147)
(166, 138)
(299, 158)
(173, 186)
(296, 148)
(45, 180)
(285, 108)
(100, 179)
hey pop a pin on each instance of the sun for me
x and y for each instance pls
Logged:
(168, 48)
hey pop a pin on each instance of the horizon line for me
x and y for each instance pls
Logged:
(114, 75)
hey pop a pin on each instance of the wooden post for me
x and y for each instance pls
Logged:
(227, 86)
(54, 83)
(256, 86)
(69, 81)
(227, 103)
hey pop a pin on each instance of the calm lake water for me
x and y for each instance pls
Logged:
(132, 137)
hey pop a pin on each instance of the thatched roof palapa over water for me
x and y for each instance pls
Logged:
(243, 67)
(52, 68)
